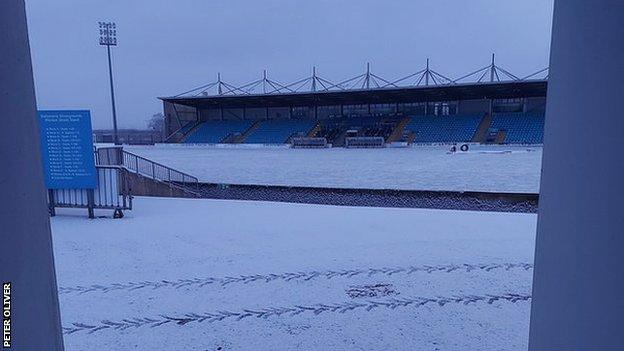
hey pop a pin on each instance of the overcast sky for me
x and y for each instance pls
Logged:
(166, 47)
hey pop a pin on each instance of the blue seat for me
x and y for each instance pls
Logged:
(444, 129)
(521, 128)
(279, 130)
(213, 132)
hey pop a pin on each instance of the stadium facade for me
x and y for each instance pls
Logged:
(424, 107)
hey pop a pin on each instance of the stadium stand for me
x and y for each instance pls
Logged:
(519, 128)
(511, 128)
(216, 131)
(411, 113)
(279, 131)
(444, 129)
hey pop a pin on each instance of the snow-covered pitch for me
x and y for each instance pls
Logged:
(484, 168)
(195, 274)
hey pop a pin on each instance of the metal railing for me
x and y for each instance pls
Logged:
(113, 192)
(148, 168)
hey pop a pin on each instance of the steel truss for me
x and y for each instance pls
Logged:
(541, 74)
(425, 77)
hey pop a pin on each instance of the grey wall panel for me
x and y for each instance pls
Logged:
(579, 257)
(26, 258)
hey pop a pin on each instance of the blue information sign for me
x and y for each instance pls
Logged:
(67, 149)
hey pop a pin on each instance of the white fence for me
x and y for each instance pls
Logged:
(365, 142)
(112, 192)
(309, 143)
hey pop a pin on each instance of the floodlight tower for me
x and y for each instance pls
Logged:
(108, 37)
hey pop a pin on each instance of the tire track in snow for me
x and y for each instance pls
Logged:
(291, 276)
(270, 312)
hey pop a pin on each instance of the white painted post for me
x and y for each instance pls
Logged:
(26, 257)
(578, 284)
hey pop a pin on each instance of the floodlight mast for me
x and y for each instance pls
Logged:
(108, 38)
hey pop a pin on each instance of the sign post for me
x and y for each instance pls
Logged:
(67, 152)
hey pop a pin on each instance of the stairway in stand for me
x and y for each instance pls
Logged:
(312, 133)
(243, 137)
(482, 131)
(397, 133)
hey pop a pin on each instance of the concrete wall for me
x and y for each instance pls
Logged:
(143, 186)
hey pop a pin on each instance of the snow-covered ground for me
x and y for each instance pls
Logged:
(193, 274)
(484, 168)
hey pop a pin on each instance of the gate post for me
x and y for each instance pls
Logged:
(51, 203)
(91, 203)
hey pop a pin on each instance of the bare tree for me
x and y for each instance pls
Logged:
(156, 122)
